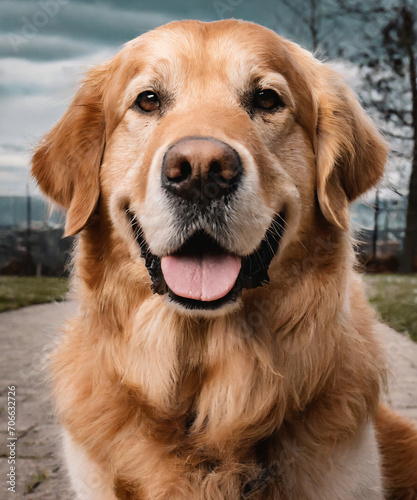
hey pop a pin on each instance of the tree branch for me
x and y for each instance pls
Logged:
(298, 12)
(399, 114)
(398, 136)
(398, 154)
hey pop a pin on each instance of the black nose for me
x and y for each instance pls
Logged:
(201, 169)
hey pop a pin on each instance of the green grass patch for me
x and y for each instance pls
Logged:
(394, 296)
(19, 291)
(35, 481)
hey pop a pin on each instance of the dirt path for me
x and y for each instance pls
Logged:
(27, 335)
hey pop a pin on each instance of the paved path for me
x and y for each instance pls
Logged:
(27, 335)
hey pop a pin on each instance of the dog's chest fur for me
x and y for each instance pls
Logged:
(195, 411)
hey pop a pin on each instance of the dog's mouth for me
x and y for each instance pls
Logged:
(202, 274)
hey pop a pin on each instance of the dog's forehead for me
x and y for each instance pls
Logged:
(222, 48)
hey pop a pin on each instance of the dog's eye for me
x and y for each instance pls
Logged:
(148, 101)
(268, 100)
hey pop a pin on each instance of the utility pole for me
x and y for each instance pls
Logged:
(375, 232)
(28, 229)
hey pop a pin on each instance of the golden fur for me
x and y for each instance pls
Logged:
(398, 442)
(173, 405)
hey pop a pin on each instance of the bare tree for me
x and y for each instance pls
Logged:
(309, 16)
(383, 43)
(390, 56)
(405, 30)
(308, 20)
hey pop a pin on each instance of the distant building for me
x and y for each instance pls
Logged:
(13, 212)
(391, 223)
(34, 249)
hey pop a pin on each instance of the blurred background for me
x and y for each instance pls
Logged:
(47, 45)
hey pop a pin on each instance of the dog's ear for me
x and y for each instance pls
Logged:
(66, 162)
(350, 152)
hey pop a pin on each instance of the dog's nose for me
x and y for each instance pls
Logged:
(201, 169)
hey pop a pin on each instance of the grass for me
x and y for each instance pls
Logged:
(35, 481)
(394, 296)
(19, 291)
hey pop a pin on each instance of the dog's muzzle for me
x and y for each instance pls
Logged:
(200, 176)
(197, 260)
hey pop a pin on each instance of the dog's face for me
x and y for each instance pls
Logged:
(212, 147)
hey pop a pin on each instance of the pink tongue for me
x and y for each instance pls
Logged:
(207, 277)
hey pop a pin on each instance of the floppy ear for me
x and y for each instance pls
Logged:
(66, 162)
(350, 152)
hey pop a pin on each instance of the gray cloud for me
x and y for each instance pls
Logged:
(24, 77)
(75, 29)
(13, 181)
(80, 26)
(44, 48)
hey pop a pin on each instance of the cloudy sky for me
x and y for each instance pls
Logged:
(46, 46)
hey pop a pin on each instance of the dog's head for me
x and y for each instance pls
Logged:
(211, 147)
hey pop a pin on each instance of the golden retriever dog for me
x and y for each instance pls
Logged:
(224, 348)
